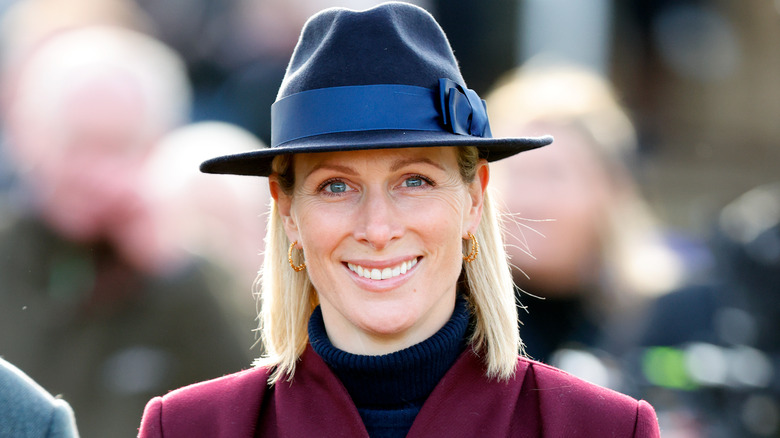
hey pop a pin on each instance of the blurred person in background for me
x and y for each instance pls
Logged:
(92, 306)
(219, 220)
(28, 411)
(26, 23)
(580, 235)
(710, 352)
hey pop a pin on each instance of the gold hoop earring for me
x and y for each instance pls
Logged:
(474, 249)
(296, 268)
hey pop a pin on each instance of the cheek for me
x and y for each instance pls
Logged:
(316, 219)
(441, 225)
(451, 207)
(321, 228)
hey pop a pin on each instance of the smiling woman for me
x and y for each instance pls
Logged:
(362, 217)
(387, 304)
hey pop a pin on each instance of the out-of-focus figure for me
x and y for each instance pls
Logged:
(91, 306)
(24, 24)
(581, 237)
(216, 219)
(710, 353)
(27, 410)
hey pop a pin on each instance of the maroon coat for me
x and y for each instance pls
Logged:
(540, 401)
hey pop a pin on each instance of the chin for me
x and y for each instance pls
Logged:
(391, 319)
(387, 324)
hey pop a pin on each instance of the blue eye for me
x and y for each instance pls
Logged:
(337, 187)
(415, 181)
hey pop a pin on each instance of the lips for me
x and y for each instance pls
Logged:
(385, 273)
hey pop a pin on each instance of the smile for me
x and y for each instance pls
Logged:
(382, 274)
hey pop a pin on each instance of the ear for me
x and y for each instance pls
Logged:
(477, 190)
(283, 207)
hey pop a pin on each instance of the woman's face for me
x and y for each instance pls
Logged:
(567, 189)
(382, 233)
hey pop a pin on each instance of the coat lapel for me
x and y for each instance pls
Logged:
(314, 402)
(466, 403)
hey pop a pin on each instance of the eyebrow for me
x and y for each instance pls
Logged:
(336, 167)
(405, 162)
(398, 164)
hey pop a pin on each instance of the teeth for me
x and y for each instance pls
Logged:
(384, 274)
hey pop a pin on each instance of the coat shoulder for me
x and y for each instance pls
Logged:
(551, 379)
(571, 406)
(26, 409)
(226, 387)
(225, 406)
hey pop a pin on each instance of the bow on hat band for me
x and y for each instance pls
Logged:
(450, 108)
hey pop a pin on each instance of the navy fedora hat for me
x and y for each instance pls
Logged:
(381, 78)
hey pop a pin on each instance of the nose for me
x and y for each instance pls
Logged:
(379, 222)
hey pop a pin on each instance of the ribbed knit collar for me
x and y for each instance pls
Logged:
(398, 379)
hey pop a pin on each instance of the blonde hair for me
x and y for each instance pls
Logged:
(287, 298)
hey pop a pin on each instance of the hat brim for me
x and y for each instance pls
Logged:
(258, 163)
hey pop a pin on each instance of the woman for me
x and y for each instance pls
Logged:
(387, 301)
(604, 255)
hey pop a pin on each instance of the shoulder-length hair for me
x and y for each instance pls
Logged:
(287, 298)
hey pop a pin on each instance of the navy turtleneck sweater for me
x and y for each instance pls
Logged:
(390, 389)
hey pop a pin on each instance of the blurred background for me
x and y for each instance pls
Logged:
(124, 273)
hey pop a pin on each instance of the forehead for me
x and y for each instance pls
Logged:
(444, 158)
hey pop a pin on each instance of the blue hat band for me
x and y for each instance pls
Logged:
(450, 108)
